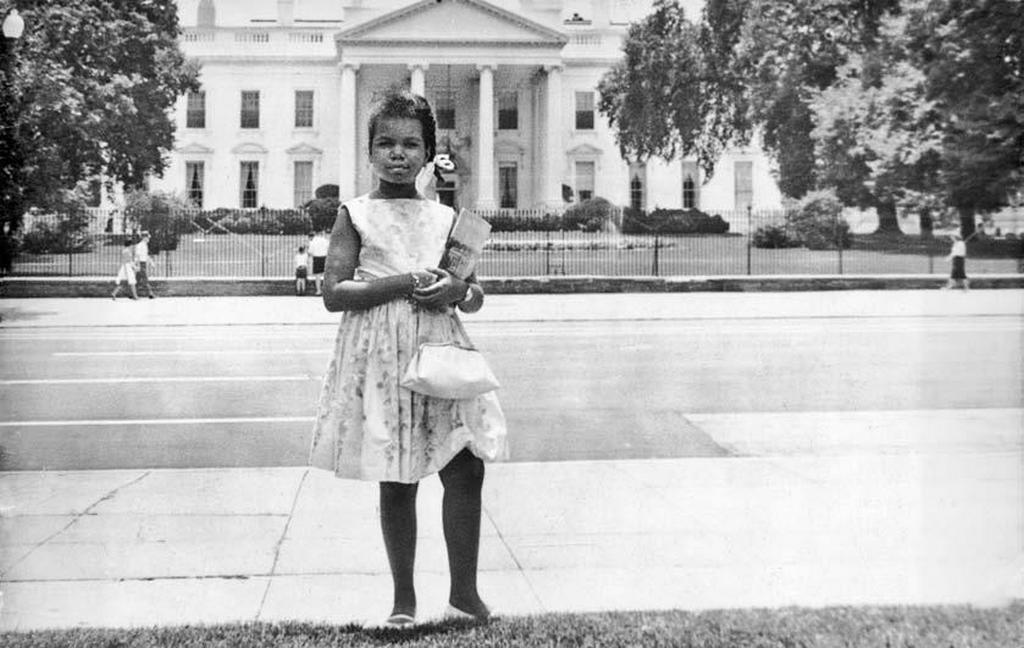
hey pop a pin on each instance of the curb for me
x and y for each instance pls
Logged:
(28, 287)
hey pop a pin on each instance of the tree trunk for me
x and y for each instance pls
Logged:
(966, 221)
(927, 224)
(887, 221)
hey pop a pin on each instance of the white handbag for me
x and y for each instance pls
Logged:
(447, 370)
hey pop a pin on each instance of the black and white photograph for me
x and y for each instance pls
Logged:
(540, 323)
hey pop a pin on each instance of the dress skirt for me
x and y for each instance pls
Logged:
(959, 270)
(370, 427)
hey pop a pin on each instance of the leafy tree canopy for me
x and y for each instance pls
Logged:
(93, 85)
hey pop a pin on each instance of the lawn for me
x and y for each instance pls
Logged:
(841, 627)
(538, 253)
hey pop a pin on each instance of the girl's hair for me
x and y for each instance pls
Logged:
(404, 104)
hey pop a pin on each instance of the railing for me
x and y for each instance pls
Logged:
(262, 243)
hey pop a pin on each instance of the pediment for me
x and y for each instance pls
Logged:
(304, 149)
(250, 148)
(585, 149)
(456, 21)
(194, 148)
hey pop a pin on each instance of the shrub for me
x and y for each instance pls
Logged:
(590, 215)
(817, 221)
(64, 229)
(672, 221)
(774, 236)
(323, 212)
(510, 221)
(326, 191)
(165, 216)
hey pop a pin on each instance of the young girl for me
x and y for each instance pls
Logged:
(380, 273)
(126, 271)
(301, 270)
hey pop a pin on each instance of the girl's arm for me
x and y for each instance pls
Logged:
(341, 291)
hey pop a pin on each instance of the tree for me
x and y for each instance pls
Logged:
(933, 115)
(660, 98)
(93, 85)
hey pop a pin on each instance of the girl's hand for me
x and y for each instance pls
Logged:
(443, 292)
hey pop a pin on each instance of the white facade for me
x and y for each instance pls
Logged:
(519, 80)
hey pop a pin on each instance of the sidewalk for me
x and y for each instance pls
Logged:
(811, 508)
(827, 518)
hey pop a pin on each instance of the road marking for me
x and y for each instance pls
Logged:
(87, 354)
(156, 379)
(181, 421)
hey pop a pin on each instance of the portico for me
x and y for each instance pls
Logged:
(508, 65)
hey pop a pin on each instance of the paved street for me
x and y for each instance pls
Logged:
(107, 396)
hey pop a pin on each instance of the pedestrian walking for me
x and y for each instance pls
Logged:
(318, 246)
(301, 270)
(381, 276)
(126, 270)
(958, 259)
(141, 264)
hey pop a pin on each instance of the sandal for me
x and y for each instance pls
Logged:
(454, 613)
(400, 621)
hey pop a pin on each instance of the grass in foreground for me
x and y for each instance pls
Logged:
(888, 627)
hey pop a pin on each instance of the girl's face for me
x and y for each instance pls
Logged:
(397, 151)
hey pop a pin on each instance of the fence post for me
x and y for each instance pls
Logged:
(654, 264)
(750, 237)
(547, 252)
(70, 257)
(838, 240)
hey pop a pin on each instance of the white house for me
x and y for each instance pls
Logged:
(287, 86)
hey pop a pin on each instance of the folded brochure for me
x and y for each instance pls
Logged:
(465, 244)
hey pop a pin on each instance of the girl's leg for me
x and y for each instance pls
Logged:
(463, 480)
(398, 523)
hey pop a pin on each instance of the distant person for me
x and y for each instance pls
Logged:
(126, 271)
(142, 263)
(301, 271)
(318, 247)
(381, 276)
(958, 259)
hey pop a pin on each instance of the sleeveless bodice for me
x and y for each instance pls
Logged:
(398, 236)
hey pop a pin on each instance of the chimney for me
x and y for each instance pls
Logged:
(285, 12)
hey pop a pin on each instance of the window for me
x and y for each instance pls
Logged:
(508, 183)
(585, 111)
(95, 198)
(584, 180)
(444, 110)
(303, 183)
(636, 186)
(689, 193)
(250, 109)
(195, 114)
(303, 109)
(194, 178)
(744, 184)
(508, 111)
(249, 182)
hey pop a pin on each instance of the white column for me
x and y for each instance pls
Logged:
(554, 153)
(347, 140)
(418, 80)
(485, 140)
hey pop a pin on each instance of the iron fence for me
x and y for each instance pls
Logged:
(231, 243)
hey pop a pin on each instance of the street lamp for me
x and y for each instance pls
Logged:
(10, 152)
(13, 25)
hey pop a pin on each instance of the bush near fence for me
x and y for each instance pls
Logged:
(672, 221)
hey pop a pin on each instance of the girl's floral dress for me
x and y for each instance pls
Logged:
(368, 426)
